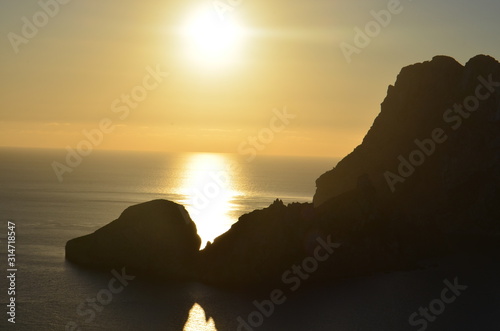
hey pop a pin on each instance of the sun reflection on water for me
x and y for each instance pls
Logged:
(208, 184)
(197, 320)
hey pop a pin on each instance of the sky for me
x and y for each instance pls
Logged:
(218, 76)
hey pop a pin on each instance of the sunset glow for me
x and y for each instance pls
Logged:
(249, 165)
(211, 41)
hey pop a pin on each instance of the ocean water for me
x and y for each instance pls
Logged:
(215, 188)
(47, 211)
(52, 294)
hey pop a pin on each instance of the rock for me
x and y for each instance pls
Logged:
(431, 180)
(424, 181)
(448, 198)
(155, 238)
(259, 247)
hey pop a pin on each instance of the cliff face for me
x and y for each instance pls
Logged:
(437, 134)
(424, 181)
(259, 247)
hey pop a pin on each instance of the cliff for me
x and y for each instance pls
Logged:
(424, 181)
(431, 98)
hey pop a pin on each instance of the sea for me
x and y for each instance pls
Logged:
(48, 197)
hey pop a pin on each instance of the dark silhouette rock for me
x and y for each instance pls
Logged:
(156, 238)
(424, 181)
(413, 175)
(413, 108)
(448, 197)
(259, 247)
(426, 197)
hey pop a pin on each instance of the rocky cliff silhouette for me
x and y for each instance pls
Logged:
(434, 148)
(424, 182)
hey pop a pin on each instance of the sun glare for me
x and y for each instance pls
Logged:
(209, 188)
(197, 320)
(210, 39)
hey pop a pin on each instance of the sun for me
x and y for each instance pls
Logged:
(211, 40)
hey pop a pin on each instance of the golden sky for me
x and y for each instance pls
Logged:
(228, 75)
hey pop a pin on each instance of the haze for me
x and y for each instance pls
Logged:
(278, 55)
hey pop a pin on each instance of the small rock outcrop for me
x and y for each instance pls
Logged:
(259, 247)
(155, 238)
